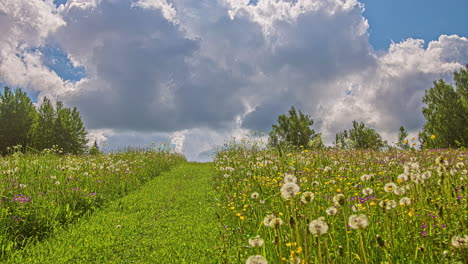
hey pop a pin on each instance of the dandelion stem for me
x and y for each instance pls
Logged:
(319, 250)
(362, 246)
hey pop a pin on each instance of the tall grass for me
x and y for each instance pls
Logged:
(42, 193)
(338, 206)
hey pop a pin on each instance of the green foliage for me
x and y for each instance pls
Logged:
(403, 139)
(45, 193)
(173, 224)
(17, 115)
(446, 112)
(43, 134)
(94, 150)
(414, 202)
(316, 142)
(293, 130)
(69, 131)
(359, 137)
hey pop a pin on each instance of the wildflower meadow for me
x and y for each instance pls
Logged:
(342, 206)
(44, 193)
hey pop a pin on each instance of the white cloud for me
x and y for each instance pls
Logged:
(24, 26)
(200, 71)
(168, 11)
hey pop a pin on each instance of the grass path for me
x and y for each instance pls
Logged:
(170, 220)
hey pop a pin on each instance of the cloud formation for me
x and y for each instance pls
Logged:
(196, 72)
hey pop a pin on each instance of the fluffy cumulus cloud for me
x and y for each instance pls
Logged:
(198, 72)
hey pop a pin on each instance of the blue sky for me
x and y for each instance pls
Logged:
(396, 20)
(196, 73)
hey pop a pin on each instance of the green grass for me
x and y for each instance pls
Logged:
(424, 230)
(171, 219)
(41, 194)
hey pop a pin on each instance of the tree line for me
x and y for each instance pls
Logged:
(25, 127)
(445, 111)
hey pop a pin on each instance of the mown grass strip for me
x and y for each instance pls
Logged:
(170, 220)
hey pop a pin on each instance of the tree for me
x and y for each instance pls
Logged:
(359, 137)
(61, 127)
(293, 130)
(94, 150)
(402, 139)
(446, 113)
(17, 115)
(43, 129)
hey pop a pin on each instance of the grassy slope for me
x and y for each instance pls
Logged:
(170, 220)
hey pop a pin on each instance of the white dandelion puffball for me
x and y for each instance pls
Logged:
(289, 190)
(318, 227)
(331, 211)
(290, 178)
(358, 222)
(256, 260)
(256, 241)
(367, 191)
(459, 241)
(307, 197)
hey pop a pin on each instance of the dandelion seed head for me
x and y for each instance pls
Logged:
(389, 187)
(307, 197)
(358, 222)
(367, 191)
(256, 260)
(339, 200)
(276, 223)
(254, 195)
(391, 204)
(289, 190)
(267, 219)
(399, 191)
(318, 227)
(402, 177)
(331, 211)
(256, 241)
(405, 201)
(366, 177)
(460, 242)
(290, 178)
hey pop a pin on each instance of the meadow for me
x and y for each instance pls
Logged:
(251, 205)
(41, 194)
(342, 206)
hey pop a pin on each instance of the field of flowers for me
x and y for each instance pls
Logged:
(40, 194)
(338, 206)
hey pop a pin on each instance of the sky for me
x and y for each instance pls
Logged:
(197, 73)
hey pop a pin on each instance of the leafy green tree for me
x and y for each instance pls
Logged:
(359, 137)
(43, 129)
(402, 139)
(70, 133)
(17, 115)
(61, 127)
(94, 150)
(446, 113)
(292, 129)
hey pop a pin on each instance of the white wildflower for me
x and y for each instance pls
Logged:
(307, 197)
(290, 178)
(405, 201)
(389, 187)
(459, 241)
(318, 227)
(289, 190)
(331, 211)
(256, 260)
(256, 241)
(367, 191)
(358, 222)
